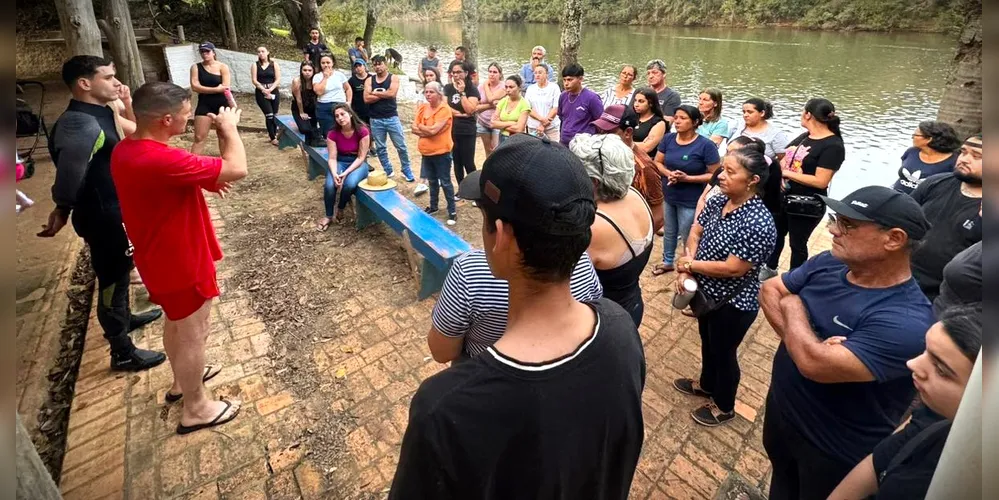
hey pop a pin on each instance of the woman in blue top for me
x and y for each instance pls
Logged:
(709, 103)
(933, 151)
(685, 161)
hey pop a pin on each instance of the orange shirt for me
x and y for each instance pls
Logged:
(438, 144)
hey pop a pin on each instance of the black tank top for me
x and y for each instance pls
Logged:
(644, 128)
(265, 75)
(621, 283)
(207, 79)
(382, 108)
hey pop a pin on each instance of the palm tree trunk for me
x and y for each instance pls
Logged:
(572, 25)
(470, 30)
(961, 103)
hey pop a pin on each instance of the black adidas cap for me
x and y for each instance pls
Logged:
(884, 206)
(534, 182)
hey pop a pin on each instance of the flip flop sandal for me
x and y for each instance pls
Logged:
(661, 269)
(218, 420)
(210, 373)
(323, 226)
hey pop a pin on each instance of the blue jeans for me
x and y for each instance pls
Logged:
(324, 113)
(678, 222)
(438, 171)
(349, 184)
(380, 127)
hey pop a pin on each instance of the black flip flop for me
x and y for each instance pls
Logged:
(173, 398)
(184, 429)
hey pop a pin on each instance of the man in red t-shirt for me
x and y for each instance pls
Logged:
(160, 190)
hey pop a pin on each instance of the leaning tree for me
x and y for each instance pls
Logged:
(370, 22)
(303, 15)
(117, 27)
(961, 104)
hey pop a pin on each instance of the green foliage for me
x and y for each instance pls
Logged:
(345, 21)
(887, 15)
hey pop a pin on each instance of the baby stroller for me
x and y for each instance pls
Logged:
(30, 124)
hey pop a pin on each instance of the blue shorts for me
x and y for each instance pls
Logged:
(481, 130)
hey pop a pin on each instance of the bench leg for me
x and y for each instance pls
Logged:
(431, 280)
(316, 169)
(365, 217)
(285, 141)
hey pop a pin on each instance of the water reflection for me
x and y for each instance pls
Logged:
(883, 84)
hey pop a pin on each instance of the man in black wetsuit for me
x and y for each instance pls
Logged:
(81, 143)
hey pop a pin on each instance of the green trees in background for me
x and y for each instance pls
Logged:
(929, 15)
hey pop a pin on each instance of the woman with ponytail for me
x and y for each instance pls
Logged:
(808, 166)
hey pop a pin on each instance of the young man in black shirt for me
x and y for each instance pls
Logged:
(953, 204)
(314, 48)
(554, 408)
(356, 82)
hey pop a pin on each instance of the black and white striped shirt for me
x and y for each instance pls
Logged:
(474, 303)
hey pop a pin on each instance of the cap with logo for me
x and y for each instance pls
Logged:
(206, 46)
(883, 206)
(616, 116)
(536, 183)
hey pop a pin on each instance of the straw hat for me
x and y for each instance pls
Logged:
(377, 181)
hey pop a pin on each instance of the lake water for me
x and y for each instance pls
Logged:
(883, 84)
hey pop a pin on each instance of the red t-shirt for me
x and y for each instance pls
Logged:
(165, 214)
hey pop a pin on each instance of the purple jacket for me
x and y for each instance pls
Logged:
(576, 113)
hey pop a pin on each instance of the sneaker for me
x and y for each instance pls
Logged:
(690, 387)
(710, 415)
(766, 273)
(452, 219)
(137, 360)
(431, 210)
(140, 320)
(457, 198)
(411, 179)
(420, 189)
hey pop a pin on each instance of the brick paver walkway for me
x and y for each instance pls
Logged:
(121, 441)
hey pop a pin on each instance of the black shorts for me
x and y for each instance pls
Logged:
(209, 103)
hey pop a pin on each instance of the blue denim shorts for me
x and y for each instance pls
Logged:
(480, 130)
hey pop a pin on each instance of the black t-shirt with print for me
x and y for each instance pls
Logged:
(314, 51)
(955, 225)
(495, 427)
(357, 100)
(804, 155)
(464, 125)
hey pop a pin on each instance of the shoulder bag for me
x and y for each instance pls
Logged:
(803, 205)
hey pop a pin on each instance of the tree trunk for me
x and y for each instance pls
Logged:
(961, 103)
(572, 24)
(470, 30)
(33, 479)
(229, 24)
(370, 22)
(79, 27)
(117, 27)
(302, 16)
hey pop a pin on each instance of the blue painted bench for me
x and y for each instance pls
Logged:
(290, 137)
(430, 245)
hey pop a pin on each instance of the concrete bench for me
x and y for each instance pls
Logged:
(430, 245)
(290, 137)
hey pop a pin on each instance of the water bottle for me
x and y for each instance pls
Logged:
(228, 97)
(681, 300)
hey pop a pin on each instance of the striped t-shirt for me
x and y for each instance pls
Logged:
(474, 303)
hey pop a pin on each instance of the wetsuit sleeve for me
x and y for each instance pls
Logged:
(77, 137)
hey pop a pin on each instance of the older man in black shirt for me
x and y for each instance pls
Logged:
(554, 408)
(952, 203)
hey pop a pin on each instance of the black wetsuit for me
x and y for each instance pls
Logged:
(81, 144)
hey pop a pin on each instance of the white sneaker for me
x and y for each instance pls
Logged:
(766, 273)
(420, 189)
(452, 219)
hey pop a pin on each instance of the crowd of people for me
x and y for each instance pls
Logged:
(544, 394)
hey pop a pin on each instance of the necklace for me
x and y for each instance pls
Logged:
(966, 191)
(572, 100)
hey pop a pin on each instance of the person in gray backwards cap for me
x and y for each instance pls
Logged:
(563, 386)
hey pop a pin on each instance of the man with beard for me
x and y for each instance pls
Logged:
(952, 203)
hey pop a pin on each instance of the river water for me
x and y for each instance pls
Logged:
(883, 84)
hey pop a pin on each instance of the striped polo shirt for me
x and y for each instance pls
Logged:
(474, 303)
